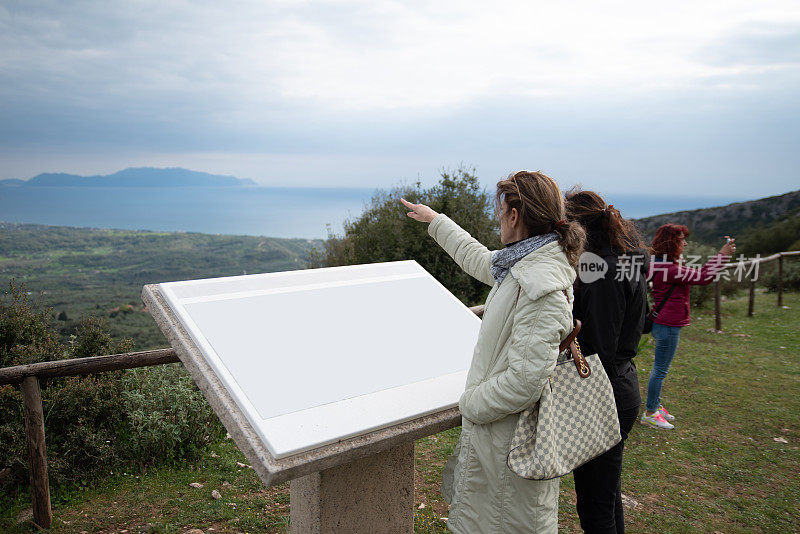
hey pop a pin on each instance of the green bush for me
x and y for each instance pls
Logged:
(791, 275)
(168, 417)
(385, 233)
(96, 422)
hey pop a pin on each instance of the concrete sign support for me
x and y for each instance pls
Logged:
(374, 494)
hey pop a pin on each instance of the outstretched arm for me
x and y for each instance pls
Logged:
(467, 251)
(680, 274)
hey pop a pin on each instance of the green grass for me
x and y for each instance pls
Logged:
(733, 392)
(720, 470)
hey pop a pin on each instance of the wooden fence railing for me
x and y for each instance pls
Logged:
(30, 375)
(752, 284)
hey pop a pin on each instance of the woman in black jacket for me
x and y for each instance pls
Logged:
(611, 305)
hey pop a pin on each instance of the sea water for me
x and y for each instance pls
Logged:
(266, 211)
(273, 212)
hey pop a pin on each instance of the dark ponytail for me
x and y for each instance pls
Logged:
(604, 224)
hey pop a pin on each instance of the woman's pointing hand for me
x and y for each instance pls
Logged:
(419, 212)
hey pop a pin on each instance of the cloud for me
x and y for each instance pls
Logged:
(760, 45)
(351, 90)
(248, 59)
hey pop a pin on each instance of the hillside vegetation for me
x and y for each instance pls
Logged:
(82, 271)
(709, 225)
(778, 236)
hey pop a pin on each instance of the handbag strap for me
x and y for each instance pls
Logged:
(571, 337)
(661, 304)
(571, 342)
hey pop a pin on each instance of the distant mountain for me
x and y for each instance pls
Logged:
(709, 225)
(134, 177)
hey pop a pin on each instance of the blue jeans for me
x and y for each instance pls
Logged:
(666, 338)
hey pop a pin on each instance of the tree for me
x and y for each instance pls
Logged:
(385, 233)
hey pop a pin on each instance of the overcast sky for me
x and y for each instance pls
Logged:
(695, 98)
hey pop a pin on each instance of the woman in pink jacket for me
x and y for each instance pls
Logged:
(672, 281)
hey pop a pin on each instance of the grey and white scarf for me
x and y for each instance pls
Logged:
(505, 258)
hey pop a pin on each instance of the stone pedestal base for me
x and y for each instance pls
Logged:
(374, 494)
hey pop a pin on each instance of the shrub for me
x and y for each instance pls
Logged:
(168, 417)
(24, 334)
(791, 275)
(385, 233)
(93, 422)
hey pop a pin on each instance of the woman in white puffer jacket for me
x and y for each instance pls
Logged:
(527, 314)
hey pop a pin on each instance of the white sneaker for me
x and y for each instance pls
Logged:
(655, 421)
(664, 413)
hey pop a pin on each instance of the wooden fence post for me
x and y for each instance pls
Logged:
(717, 311)
(752, 302)
(780, 281)
(37, 454)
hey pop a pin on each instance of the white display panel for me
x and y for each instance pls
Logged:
(315, 356)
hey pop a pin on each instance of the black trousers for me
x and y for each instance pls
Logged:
(598, 485)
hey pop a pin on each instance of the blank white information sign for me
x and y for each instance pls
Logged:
(315, 356)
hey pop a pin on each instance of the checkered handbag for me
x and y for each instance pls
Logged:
(574, 421)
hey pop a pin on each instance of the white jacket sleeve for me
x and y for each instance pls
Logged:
(538, 328)
(467, 251)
